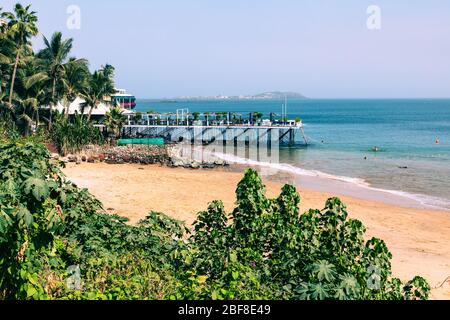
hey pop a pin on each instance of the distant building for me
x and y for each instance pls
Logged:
(125, 100)
(121, 99)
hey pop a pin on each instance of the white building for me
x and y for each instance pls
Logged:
(120, 99)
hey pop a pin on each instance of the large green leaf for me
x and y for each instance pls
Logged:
(5, 222)
(25, 216)
(324, 270)
(37, 187)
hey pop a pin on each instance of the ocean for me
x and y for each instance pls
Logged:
(341, 135)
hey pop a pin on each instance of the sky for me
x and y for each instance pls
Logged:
(320, 48)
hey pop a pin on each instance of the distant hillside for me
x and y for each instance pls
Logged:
(276, 95)
(273, 95)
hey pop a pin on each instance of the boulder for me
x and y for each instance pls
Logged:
(72, 158)
(177, 163)
(126, 158)
(195, 165)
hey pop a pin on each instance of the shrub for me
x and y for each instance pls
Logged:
(264, 249)
(72, 136)
(271, 248)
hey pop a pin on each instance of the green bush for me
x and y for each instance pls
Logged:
(72, 136)
(264, 249)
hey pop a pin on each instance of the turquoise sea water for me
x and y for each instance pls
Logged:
(343, 132)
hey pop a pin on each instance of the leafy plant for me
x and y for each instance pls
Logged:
(318, 255)
(114, 121)
(73, 135)
(263, 249)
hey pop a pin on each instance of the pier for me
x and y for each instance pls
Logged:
(226, 127)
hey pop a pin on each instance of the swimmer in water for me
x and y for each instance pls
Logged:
(438, 141)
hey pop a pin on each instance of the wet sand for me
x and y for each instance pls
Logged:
(419, 239)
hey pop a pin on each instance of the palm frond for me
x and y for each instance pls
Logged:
(34, 79)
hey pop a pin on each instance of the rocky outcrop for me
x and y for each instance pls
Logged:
(178, 158)
(169, 155)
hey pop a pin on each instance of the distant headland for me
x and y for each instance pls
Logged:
(272, 95)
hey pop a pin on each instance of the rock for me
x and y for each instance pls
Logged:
(72, 158)
(55, 156)
(90, 159)
(178, 164)
(195, 165)
(83, 158)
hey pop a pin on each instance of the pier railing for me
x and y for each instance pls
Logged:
(269, 135)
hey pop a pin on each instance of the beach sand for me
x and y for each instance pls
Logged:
(419, 239)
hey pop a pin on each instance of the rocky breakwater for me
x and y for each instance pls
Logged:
(168, 155)
(193, 160)
(137, 154)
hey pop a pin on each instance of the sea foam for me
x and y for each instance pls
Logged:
(420, 199)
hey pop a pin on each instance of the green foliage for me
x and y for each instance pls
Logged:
(196, 115)
(264, 249)
(31, 217)
(100, 85)
(114, 121)
(280, 254)
(31, 82)
(71, 136)
(48, 224)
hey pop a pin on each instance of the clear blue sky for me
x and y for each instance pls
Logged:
(321, 48)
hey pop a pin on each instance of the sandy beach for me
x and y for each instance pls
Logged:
(419, 239)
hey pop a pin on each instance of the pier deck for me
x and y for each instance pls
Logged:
(270, 135)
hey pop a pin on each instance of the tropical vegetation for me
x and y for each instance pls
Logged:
(57, 242)
(34, 83)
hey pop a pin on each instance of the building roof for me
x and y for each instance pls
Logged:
(75, 106)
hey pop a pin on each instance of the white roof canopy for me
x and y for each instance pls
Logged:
(75, 106)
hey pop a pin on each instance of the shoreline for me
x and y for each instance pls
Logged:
(340, 185)
(419, 239)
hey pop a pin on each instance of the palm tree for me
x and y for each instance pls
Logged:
(114, 121)
(6, 52)
(54, 57)
(257, 116)
(75, 79)
(21, 27)
(35, 87)
(100, 88)
(30, 91)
